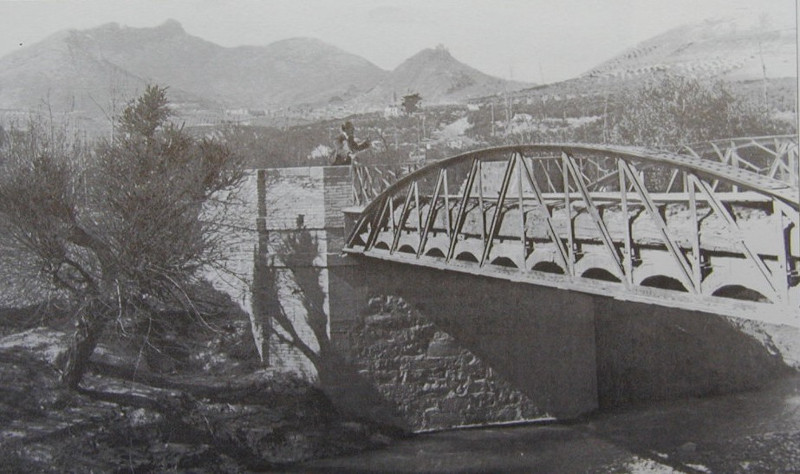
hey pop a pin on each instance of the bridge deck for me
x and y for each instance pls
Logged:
(605, 220)
(764, 312)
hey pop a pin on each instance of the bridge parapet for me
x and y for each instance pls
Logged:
(631, 223)
(772, 156)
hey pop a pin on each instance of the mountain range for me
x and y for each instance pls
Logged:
(90, 71)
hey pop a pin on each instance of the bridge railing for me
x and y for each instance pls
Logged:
(772, 156)
(370, 180)
(572, 215)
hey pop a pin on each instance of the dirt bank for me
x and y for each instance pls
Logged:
(203, 411)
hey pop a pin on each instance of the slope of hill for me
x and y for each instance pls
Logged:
(731, 49)
(293, 71)
(82, 70)
(439, 78)
(56, 74)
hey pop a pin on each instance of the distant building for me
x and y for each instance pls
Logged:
(392, 111)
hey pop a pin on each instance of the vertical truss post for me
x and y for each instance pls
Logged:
(568, 209)
(697, 271)
(627, 256)
(672, 246)
(524, 255)
(734, 160)
(366, 184)
(462, 209)
(498, 210)
(376, 223)
(594, 213)
(431, 211)
(735, 232)
(391, 213)
(723, 157)
(419, 209)
(354, 184)
(793, 159)
(480, 201)
(782, 275)
(403, 217)
(446, 202)
(777, 164)
(562, 252)
(369, 191)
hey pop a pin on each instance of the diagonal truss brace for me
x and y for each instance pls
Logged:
(462, 209)
(562, 251)
(431, 213)
(487, 247)
(685, 273)
(735, 232)
(402, 221)
(375, 225)
(569, 163)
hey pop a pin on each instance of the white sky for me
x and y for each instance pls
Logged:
(529, 40)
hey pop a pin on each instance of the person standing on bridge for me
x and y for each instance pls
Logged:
(346, 145)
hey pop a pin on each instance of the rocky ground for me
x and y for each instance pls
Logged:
(748, 432)
(200, 404)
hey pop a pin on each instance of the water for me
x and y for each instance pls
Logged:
(747, 432)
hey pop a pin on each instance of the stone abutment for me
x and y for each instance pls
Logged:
(430, 349)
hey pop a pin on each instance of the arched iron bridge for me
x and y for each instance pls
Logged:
(635, 224)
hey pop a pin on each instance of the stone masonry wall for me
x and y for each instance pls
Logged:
(286, 249)
(300, 240)
(432, 381)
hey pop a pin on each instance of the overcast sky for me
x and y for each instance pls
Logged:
(530, 40)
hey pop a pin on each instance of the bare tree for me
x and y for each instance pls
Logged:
(115, 234)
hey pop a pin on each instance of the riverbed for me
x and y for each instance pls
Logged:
(756, 431)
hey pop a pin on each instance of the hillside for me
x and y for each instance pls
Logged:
(730, 49)
(89, 73)
(756, 58)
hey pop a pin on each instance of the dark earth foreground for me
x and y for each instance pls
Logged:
(747, 432)
(196, 404)
(203, 404)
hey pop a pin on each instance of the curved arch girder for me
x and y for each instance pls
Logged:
(630, 208)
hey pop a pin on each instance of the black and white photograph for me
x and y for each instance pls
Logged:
(399, 236)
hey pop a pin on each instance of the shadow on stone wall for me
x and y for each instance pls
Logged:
(538, 339)
(433, 382)
(647, 353)
(287, 274)
(564, 349)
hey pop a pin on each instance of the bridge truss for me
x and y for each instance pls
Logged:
(657, 227)
(773, 156)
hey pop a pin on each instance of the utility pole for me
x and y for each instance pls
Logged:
(763, 72)
(492, 104)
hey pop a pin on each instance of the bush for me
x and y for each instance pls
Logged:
(676, 111)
